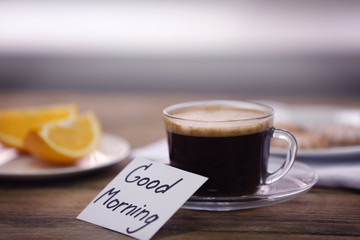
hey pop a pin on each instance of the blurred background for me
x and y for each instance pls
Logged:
(291, 48)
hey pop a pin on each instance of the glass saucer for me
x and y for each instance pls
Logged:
(298, 181)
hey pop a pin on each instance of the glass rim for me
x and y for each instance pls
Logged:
(191, 104)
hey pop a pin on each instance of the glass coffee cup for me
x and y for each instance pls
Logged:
(228, 142)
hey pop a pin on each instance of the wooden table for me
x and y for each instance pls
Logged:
(47, 209)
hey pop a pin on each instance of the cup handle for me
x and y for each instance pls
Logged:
(290, 155)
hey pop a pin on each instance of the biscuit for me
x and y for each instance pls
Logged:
(340, 135)
(324, 136)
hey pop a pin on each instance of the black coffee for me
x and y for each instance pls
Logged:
(235, 165)
(227, 144)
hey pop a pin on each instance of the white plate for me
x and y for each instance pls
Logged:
(113, 150)
(298, 181)
(314, 115)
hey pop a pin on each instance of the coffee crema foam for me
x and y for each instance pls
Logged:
(218, 121)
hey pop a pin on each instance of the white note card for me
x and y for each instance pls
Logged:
(141, 198)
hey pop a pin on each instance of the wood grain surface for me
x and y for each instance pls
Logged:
(47, 209)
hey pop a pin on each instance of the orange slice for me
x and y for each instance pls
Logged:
(15, 123)
(65, 141)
